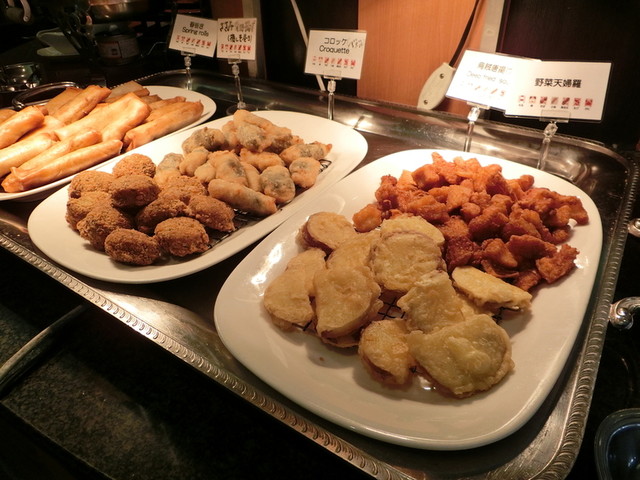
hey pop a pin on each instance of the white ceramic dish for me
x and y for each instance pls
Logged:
(51, 234)
(163, 92)
(334, 385)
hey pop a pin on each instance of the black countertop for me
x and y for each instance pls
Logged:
(105, 402)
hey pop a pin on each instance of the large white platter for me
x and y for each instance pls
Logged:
(50, 232)
(160, 90)
(333, 384)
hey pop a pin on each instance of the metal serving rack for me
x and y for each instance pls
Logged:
(546, 447)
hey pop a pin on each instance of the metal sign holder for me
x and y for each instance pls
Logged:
(331, 88)
(472, 117)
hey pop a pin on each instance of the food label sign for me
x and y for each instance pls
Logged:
(485, 79)
(194, 35)
(237, 38)
(560, 90)
(336, 53)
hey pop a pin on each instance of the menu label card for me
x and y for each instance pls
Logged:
(485, 79)
(194, 35)
(560, 90)
(237, 38)
(335, 53)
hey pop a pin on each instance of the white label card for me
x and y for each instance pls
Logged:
(194, 35)
(560, 90)
(335, 53)
(237, 38)
(485, 79)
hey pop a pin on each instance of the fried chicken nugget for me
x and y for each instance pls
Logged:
(212, 213)
(400, 258)
(182, 236)
(384, 352)
(432, 303)
(466, 357)
(132, 247)
(347, 298)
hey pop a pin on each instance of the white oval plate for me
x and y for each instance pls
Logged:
(50, 232)
(334, 385)
(163, 92)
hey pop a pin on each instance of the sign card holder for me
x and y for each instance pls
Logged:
(193, 36)
(236, 43)
(335, 54)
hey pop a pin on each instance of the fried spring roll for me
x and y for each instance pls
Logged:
(186, 113)
(23, 150)
(6, 113)
(132, 113)
(63, 166)
(82, 104)
(142, 92)
(49, 125)
(167, 101)
(58, 149)
(17, 125)
(63, 97)
(99, 119)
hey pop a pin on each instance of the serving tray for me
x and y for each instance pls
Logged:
(547, 445)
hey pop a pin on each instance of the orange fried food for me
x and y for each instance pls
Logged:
(132, 247)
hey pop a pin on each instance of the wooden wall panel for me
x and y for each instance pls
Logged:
(407, 40)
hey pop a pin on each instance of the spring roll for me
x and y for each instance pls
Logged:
(6, 113)
(23, 150)
(242, 198)
(17, 125)
(63, 166)
(166, 109)
(131, 114)
(187, 113)
(58, 149)
(63, 97)
(49, 125)
(167, 101)
(82, 104)
(99, 119)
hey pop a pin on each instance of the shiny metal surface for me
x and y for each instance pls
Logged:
(177, 315)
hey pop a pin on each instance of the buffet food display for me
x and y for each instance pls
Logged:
(387, 311)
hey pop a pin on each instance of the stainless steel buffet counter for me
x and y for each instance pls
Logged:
(177, 315)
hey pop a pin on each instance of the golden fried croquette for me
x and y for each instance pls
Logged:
(132, 247)
(160, 209)
(135, 164)
(133, 191)
(90, 181)
(182, 236)
(466, 357)
(100, 222)
(212, 213)
(78, 207)
(384, 352)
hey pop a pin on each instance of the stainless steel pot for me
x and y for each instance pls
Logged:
(116, 10)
